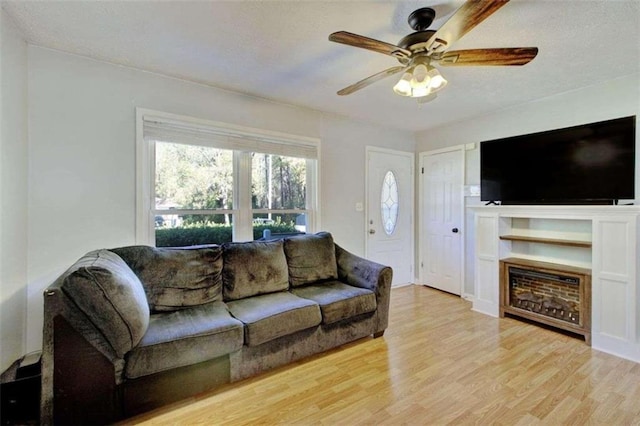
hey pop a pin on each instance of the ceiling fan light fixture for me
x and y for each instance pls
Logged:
(421, 77)
(436, 81)
(420, 80)
(419, 92)
(403, 86)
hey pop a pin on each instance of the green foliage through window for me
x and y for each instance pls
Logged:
(193, 177)
(278, 182)
(211, 234)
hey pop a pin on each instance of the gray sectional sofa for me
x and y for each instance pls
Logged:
(132, 328)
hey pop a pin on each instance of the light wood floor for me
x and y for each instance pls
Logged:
(437, 363)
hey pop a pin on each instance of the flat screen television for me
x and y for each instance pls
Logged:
(588, 164)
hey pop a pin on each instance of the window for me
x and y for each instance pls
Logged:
(278, 192)
(193, 195)
(389, 203)
(203, 183)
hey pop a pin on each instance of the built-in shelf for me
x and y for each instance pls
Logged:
(603, 239)
(543, 240)
(531, 263)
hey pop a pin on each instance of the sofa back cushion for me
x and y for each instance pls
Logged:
(311, 258)
(252, 268)
(111, 296)
(176, 278)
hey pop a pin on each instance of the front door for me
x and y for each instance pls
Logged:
(389, 217)
(442, 216)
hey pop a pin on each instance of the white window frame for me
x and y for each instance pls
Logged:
(226, 136)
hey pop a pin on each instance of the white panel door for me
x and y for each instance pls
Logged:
(442, 220)
(389, 218)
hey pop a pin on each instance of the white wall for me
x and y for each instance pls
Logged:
(82, 165)
(603, 101)
(13, 191)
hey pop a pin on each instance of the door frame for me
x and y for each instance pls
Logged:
(411, 156)
(422, 248)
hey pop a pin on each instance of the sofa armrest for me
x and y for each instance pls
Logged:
(94, 314)
(360, 272)
(363, 273)
(89, 351)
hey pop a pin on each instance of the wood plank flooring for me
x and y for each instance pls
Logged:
(438, 363)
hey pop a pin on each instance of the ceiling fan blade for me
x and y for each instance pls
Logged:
(363, 42)
(370, 80)
(463, 20)
(502, 56)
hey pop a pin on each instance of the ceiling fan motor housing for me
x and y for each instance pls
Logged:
(422, 18)
(419, 20)
(415, 39)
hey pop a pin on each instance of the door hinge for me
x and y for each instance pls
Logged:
(423, 170)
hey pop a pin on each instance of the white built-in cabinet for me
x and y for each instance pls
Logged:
(601, 238)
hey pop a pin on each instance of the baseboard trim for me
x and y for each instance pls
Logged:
(402, 285)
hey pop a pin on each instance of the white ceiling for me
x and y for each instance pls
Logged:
(279, 49)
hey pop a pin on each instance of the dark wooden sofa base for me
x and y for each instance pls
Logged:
(157, 390)
(91, 396)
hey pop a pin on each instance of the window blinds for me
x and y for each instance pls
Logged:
(225, 136)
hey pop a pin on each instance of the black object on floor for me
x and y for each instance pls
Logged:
(20, 392)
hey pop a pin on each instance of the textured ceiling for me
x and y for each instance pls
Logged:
(279, 49)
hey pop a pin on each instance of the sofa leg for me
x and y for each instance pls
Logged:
(378, 334)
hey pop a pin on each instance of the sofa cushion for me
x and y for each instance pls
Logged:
(111, 295)
(176, 278)
(274, 315)
(338, 301)
(185, 337)
(253, 268)
(311, 258)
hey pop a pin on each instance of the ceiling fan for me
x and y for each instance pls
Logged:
(418, 51)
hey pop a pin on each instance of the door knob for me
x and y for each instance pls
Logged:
(454, 230)
(372, 231)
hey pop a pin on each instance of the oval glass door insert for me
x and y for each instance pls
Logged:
(389, 202)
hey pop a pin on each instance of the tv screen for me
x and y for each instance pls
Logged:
(592, 163)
